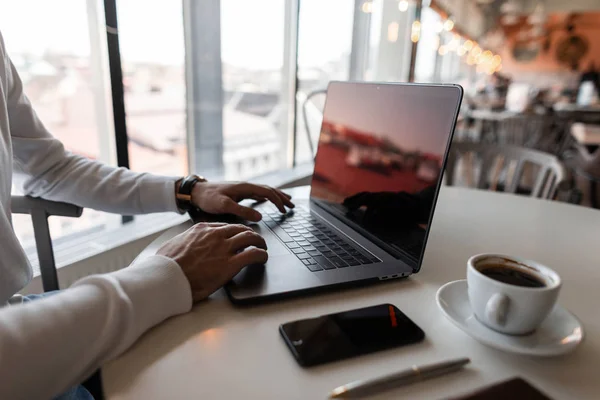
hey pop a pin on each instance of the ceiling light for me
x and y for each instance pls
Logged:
(415, 31)
(448, 25)
(392, 32)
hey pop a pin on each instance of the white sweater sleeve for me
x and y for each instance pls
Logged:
(51, 344)
(55, 174)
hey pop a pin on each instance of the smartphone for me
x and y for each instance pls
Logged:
(350, 333)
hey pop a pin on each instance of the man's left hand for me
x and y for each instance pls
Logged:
(223, 198)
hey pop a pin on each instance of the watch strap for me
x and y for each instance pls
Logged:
(184, 193)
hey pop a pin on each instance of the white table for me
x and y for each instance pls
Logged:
(219, 351)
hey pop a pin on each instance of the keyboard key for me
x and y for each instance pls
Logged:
(353, 262)
(281, 234)
(313, 240)
(354, 252)
(323, 262)
(293, 245)
(308, 248)
(328, 253)
(314, 253)
(363, 259)
(304, 243)
(348, 247)
(298, 250)
(338, 262)
(328, 242)
(302, 256)
(321, 247)
(271, 224)
(309, 261)
(314, 267)
(302, 231)
(346, 257)
(339, 240)
(339, 251)
(320, 236)
(295, 235)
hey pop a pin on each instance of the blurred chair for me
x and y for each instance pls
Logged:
(40, 210)
(510, 169)
(524, 130)
(314, 119)
(583, 155)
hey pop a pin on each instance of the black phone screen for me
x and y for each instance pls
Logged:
(349, 333)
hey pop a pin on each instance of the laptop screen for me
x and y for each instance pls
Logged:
(380, 156)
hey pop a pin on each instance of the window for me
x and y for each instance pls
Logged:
(429, 44)
(153, 62)
(254, 79)
(59, 53)
(324, 45)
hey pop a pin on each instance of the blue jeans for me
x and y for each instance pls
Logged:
(76, 392)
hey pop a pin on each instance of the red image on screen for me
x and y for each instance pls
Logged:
(382, 138)
(352, 161)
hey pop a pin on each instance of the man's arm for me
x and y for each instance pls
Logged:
(49, 345)
(51, 172)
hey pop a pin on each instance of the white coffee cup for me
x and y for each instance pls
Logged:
(509, 308)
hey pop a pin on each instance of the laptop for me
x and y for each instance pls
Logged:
(381, 153)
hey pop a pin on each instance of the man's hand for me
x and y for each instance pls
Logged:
(210, 255)
(223, 198)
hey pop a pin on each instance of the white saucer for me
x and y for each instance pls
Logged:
(560, 333)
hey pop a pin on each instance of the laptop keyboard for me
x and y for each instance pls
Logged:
(313, 242)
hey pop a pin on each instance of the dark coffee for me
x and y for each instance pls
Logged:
(512, 276)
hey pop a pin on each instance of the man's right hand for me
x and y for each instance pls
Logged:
(211, 254)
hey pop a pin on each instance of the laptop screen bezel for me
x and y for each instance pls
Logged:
(405, 257)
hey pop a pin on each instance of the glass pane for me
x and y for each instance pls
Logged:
(252, 55)
(429, 43)
(153, 62)
(324, 45)
(59, 52)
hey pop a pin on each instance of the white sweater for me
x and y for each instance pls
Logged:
(46, 346)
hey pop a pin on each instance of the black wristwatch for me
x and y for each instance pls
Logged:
(184, 193)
